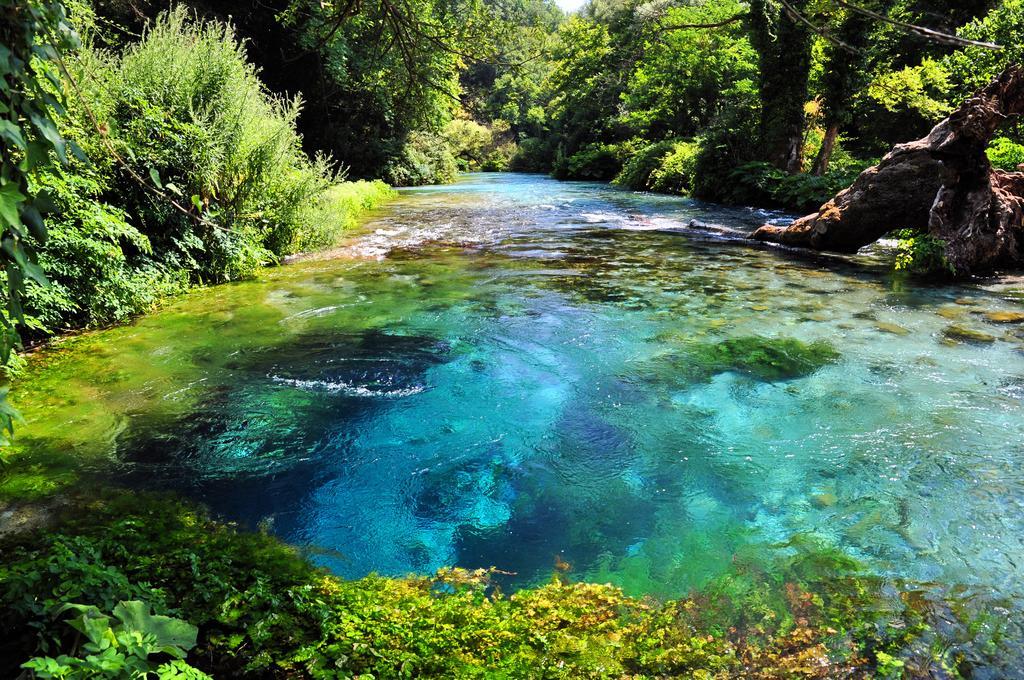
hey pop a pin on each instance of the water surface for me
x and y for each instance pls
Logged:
(512, 370)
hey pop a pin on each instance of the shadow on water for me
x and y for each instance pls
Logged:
(253, 448)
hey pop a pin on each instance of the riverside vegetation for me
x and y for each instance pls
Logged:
(258, 608)
(169, 149)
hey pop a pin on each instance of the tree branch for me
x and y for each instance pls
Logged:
(931, 34)
(717, 24)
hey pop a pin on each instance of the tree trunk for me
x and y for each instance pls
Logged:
(783, 45)
(942, 185)
(828, 145)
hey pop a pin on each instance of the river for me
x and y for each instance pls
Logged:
(513, 371)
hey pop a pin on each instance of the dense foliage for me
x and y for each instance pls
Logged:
(32, 37)
(773, 108)
(194, 173)
(173, 149)
(259, 608)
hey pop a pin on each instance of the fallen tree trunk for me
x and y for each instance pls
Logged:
(942, 185)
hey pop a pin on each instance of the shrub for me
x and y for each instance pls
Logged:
(186, 108)
(533, 154)
(760, 183)
(336, 211)
(121, 646)
(921, 253)
(479, 147)
(425, 158)
(676, 173)
(1005, 154)
(636, 172)
(101, 268)
(666, 166)
(728, 143)
(195, 174)
(597, 161)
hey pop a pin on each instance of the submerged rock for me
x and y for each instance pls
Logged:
(891, 328)
(963, 334)
(1005, 317)
(824, 500)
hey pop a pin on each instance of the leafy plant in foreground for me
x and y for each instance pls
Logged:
(121, 646)
(261, 609)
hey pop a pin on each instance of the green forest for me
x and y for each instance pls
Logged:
(154, 153)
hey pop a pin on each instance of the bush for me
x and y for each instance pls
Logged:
(760, 183)
(597, 161)
(636, 173)
(186, 108)
(1005, 154)
(921, 253)
(195, 175)
(533, 154)
(676, 173)
(337, 210)
(728, 143)
(425, 158)
(479, 147)
(666, 167)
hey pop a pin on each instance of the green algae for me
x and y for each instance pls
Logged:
(768, 359)
(957, 333)
(762, 358)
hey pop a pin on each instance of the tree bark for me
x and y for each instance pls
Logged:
(828, 145)
(942, 185)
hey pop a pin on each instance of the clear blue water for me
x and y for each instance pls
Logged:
(501, 373)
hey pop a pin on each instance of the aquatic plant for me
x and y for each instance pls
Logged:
(261, 608)
(768, 359)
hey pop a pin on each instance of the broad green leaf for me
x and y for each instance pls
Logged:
(173, 636)
(10, 199)
(34, 220)
(12, 133)
(48, 130)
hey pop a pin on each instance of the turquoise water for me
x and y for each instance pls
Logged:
(512, 371)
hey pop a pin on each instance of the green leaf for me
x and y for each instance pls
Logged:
(173, 636)
(44, 202)
(36, 226)
(155, 176)
(10, 198)
(25, 261)
(48, 130)
(12, 133)
(77, 152)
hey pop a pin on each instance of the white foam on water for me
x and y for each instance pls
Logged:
(347, 388)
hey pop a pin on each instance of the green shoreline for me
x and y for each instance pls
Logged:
(263, 610)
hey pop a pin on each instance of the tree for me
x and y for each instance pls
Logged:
(32, 36)
(783, 44)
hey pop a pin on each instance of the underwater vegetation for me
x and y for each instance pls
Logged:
(767, 359)
(245, 603)
(762, 358)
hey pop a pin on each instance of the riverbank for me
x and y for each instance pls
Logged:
(259, 608)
